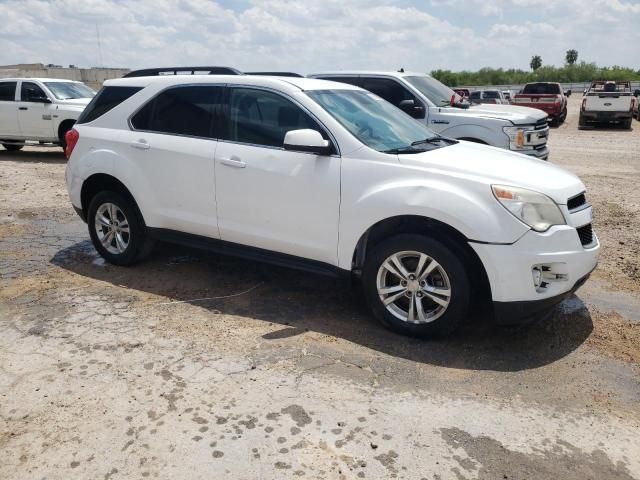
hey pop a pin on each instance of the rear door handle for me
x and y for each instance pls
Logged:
(233, 162)
(23, 108)
(141, 144)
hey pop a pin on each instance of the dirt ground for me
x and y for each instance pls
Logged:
(194, 366)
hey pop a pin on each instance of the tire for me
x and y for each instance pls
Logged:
(12, 148)
(627, 124)
(581, 122)
(125, 248)
(407, 248)
(555, 122)
(63, 131)
(563, 116)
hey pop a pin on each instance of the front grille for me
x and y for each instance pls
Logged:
(576, 202)
(586, 235)
(540, 124)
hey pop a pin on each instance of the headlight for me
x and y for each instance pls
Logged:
(516, 138)
(532, 208)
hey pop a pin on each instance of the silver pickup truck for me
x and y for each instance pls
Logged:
(607, 102)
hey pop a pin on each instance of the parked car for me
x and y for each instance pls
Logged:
(608, 102)
(463, 92)
(488, 96)
(39, 109)
(546, 96)
(329, 178)
(423, 97)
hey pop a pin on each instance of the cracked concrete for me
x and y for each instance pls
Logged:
(109, 372)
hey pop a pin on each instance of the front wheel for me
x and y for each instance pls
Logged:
(12, 148)
(416, 286)
(117, 230)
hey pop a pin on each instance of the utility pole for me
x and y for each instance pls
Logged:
(99, 47)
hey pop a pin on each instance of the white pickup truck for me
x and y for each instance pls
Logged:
(39, 109)
(519, 129)
(608, 102)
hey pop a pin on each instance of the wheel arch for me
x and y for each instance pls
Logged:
(436, 229)
(100, 182)
(64, 126)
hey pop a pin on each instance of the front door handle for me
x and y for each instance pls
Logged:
(233, 162)
(23, 108)
(141, 144)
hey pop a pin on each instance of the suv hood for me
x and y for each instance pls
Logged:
(75, 102)
(493, 165)
(516, 115)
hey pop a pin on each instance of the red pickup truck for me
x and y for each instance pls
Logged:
(545, 96)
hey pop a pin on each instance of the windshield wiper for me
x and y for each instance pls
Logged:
(400, 150)
(434, 140)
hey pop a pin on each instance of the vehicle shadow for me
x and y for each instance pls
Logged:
(303, 302)
(31, 156)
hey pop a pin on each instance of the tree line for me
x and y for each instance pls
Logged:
(570, 72)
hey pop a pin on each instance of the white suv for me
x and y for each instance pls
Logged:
(329, 178)
(39, 109)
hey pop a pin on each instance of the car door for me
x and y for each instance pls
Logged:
(268, 197)
(172, 145)
(9, 128)
(35, 112)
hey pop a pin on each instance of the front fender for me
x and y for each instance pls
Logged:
(468, 209)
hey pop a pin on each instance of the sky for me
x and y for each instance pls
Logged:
(309, 36)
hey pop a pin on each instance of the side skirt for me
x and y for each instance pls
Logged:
(249, 253)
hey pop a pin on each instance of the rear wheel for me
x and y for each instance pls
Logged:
(12, 148)
(627, 124)
(581, 122)
(64, 128)
(117, 230)
(416, 286)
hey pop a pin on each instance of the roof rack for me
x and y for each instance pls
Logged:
(276, 74)
(153, 72)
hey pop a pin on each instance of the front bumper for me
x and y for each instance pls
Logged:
(510, 270)
(541, 153)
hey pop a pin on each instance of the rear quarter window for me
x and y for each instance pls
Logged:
(8, 91)
(105, 100)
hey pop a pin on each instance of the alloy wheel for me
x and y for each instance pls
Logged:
(413, 287)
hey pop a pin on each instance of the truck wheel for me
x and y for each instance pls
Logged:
(563, 116)
(416, 286)
(117, 230)
(12, 148)
(62, 131)
(581, 122)
(627, 124)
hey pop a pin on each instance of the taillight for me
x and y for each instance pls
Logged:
(584, 104)
(71, 138)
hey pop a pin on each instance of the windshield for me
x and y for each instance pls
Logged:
(373, 121)
(491, 94)
(435, 91)
(69, 90)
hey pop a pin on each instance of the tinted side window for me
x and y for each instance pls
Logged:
(349, 80)
(181, 111)
(475, 95)
(390, 90)
(105, 100)
(30, 91)
(263, 118)
(8, 91)
(491, 94)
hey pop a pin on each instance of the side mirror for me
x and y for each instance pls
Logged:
(39, 100)
(307, 140)
(410, 107)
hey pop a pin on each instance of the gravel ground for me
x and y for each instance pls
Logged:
(109, 372)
